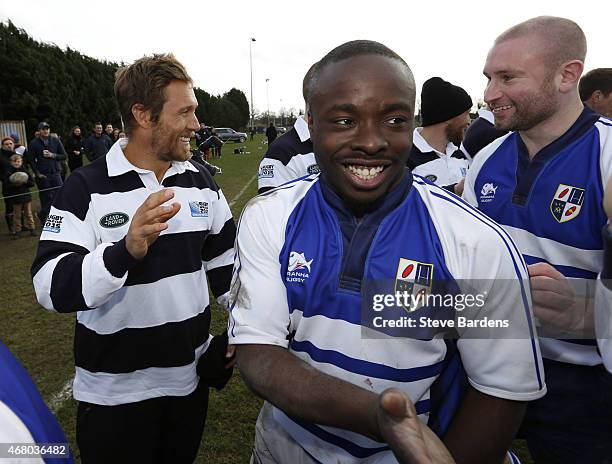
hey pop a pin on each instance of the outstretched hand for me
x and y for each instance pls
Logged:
(412, 441)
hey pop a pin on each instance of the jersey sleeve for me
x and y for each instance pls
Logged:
(73, 270)
(500, 360)
(218, 250)
(259, 312)
(497, 340)
(273, 172)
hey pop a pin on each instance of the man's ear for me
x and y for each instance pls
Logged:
(142, 116)
(570, 75)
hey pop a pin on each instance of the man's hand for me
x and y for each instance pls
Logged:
(149, 221)
(40, 176)
(48, 154)
(554, 301)
(411, 441)
(459, 187)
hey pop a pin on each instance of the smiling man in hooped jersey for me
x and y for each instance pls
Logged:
(544, 184)
(131, 244)
(307, 250)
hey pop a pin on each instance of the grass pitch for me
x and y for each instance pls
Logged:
(42, 341)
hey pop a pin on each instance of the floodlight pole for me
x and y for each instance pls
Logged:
(251, 40)
(268, 97)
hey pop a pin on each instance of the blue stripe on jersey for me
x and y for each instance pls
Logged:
(348, 446)
(567, 271)
(509, 245)
(290, 184)
(367, 368)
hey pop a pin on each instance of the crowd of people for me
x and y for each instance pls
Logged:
(355, 205)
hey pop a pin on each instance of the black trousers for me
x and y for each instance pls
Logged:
(167, 429)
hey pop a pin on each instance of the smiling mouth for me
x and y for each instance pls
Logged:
(497, 109)
(365, 173)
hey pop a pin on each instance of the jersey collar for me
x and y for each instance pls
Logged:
(301, 127)
(424, 146)
(117, 164)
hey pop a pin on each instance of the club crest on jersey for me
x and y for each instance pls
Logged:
(198, 208)
(487, 192)
(414, 278)
(298, 269)
(567, 203)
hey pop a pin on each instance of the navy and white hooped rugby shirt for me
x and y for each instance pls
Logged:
(301, 260)
(551, 206)
(141, 324)
(287, 158)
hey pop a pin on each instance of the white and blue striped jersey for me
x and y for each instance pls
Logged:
(551, 206)
(303, 264)
(141, 324)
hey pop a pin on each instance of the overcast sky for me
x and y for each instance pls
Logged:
(449, 39)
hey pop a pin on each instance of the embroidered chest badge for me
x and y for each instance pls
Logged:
(413, 282)
(567, 203)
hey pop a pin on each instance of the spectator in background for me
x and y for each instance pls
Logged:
(108, 130)
(481, 133)
(97, 144)
(596, 91)
(115, 136)
(271, 133)
(7, 150)
(121, 135)
(18, 182)
(74, 148)
(19, 149)
(202, 134)
(435, 154)
(44, 154)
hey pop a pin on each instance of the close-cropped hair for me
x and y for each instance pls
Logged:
(596, 79)
(352, 49)
(144, 83)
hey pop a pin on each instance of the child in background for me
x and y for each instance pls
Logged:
(18, 183)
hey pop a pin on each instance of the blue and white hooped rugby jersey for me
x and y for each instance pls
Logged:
(551, 206)
(301, 260)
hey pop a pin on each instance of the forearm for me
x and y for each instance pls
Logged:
(313, 396)
(483, 428)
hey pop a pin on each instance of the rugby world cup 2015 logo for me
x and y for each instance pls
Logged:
(567, 202)
(413, 282)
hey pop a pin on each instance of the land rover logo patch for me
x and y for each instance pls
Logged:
(113, 220)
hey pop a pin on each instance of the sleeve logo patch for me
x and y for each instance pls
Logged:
(53, 223)
(313, 169)
(266, 171)
(198, 208)
(114, 220)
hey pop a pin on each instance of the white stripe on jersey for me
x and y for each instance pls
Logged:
(185, 293)
(42, 284)
(573, 353)
(136, 386)
(603, 323)
(278, 173)
(554, 252)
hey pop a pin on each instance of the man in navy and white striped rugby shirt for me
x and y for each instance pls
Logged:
(308, 251)
(131, 243)
(544, 184)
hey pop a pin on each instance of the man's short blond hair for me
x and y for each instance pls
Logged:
(562, 39)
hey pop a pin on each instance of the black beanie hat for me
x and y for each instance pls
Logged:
(441, 101)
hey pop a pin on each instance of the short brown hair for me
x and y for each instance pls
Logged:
(596, 79)
(144, 83)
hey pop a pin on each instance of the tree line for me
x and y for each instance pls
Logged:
(42, 82)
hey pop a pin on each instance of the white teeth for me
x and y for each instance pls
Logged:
(500, 108)
(364, 173)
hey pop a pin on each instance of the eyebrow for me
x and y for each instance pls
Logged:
(350, 108)
(503, 71)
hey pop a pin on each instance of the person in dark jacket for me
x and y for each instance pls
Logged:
(97, 144)
(45, 153)
(74, 148)
(7, 150)
(271, 133)
(18, 195)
